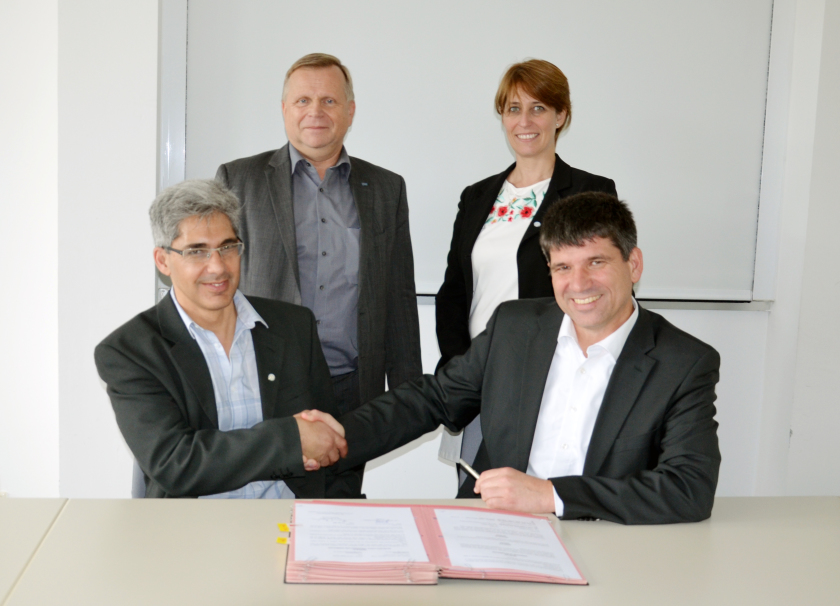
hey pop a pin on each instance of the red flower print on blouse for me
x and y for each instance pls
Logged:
(502, 211)
(526, 212)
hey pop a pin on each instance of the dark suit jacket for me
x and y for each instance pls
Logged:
(653, 457)
(388, 329)
(162, 394)
(454, 299)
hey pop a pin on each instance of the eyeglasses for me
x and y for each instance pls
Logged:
(202, 255)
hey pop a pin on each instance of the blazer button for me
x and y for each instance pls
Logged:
(271, 376)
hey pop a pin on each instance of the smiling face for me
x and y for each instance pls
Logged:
(316, 112)
(204, 290)
(530, 125)
(593, 285)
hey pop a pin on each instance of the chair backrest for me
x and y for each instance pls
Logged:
(138, 483)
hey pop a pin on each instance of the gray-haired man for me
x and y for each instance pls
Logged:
(207, 386)
(330, 232)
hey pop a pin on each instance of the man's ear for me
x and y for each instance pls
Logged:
(162, 261)
(636, 264)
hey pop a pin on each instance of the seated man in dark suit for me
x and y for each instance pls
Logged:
(590, 405)
(207, 385)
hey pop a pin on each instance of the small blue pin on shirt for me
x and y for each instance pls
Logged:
(364, 184)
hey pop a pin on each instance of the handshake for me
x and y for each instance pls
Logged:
(321, 439)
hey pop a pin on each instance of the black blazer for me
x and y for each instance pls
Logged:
(454, 299)
(653, 457)
(162, 395)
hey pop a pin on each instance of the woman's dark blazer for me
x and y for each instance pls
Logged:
(454, 299)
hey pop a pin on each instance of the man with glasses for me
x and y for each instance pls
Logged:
(207, 385)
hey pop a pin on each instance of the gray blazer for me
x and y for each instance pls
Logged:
(162, 395)
(653, 457)
(388, 329)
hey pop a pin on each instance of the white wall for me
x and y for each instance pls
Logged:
(795, 194)
(687, 120)
(814, 460)
(107, 158)
(77, 172)
(29, 231)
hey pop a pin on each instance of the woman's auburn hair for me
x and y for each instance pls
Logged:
(541, 80)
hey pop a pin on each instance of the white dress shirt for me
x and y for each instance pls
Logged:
(236, 386)
(571, 400)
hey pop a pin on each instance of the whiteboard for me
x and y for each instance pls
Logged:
(668, 100)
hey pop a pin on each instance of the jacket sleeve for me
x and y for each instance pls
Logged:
(402, 327)
(345, 484)
(452, 397)
(182, 460)
(681, 486)
(452, 314)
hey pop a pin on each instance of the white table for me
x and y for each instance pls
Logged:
(23, 525)
(753, 551)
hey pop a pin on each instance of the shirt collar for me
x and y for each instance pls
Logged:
(246, 316)
(342, 166)
(612, 344)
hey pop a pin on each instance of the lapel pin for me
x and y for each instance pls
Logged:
(364, 184)
(270, 376)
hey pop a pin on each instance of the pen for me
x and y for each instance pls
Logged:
(467, 468)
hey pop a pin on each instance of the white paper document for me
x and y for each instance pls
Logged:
(486, 540)
(342, 533)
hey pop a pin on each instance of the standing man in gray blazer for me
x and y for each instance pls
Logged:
(330, 232)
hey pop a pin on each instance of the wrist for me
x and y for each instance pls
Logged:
(549, 500)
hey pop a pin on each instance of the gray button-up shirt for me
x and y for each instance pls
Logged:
(327, 231)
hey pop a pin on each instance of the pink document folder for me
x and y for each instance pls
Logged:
(479, 539)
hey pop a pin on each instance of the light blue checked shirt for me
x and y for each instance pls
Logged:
(236, 386)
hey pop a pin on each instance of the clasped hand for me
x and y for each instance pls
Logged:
(321, 439)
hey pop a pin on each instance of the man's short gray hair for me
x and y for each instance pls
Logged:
(197, 197)
(321, 60)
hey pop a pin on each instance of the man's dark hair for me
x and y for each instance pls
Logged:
(577, 219)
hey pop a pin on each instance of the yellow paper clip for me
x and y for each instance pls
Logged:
(282, 540)
(283, 527)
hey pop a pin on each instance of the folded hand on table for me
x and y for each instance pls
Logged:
(507, 488)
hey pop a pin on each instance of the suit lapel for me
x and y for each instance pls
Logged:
(279, 178)
(628, 377)
(483, 206)
(269, 351)
(561, 179)
(364, 196)
(188, 357)
(543, 343)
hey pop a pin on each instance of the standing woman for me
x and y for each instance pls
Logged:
(495, 254)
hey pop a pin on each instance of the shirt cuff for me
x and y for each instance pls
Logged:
(558, 504)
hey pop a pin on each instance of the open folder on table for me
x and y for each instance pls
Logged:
(415, 544)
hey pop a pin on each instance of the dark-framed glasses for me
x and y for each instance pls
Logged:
(202, 255)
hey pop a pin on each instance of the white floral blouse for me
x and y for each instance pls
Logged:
(495, 273)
